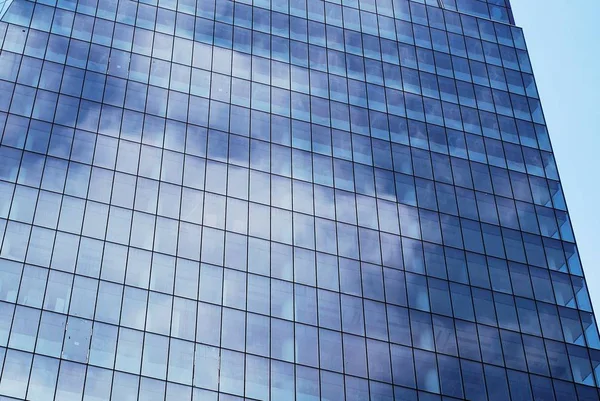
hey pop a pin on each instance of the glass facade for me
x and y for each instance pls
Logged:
(4, 6)
(282, 200)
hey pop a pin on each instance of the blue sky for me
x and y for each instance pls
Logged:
(563, 39)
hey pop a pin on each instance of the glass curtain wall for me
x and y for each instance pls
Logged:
(282, 200)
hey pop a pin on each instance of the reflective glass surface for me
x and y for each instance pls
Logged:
(4, 6)
(282, 200)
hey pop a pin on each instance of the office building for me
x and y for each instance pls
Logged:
(282, 200)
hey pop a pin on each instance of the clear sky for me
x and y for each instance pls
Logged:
(563, 39)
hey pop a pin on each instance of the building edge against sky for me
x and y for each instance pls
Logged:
(339, 200)
(562, 26)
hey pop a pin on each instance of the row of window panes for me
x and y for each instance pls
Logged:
(335, 15)
(189, 363)
(371, 213)
(413, 222)
(36, 246)
(398, 187)
(470, 123)
(298, 226)
(138, 69)
(96, 342)
(101, 151)
(364, 151)
(320, 36)
(378, 321)
(33, 72)
(479, 8)
(133, 96)
(78, 55)
(302, 272)
(250, 332)
(278, 158)
(416, 223)
(197, 208)
(213, 166)
(245, 374)
(122, 36)
(420, 258)
(117, 90)
(63, 110)
(11, 70)
(277, 191)
(380, 249)
(378, 127)
(21, 242)
(262, 97)
(104, 30)
(416, 160)
(228, 287)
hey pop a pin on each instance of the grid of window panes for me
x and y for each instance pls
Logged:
(498, 10)
(339, 200)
